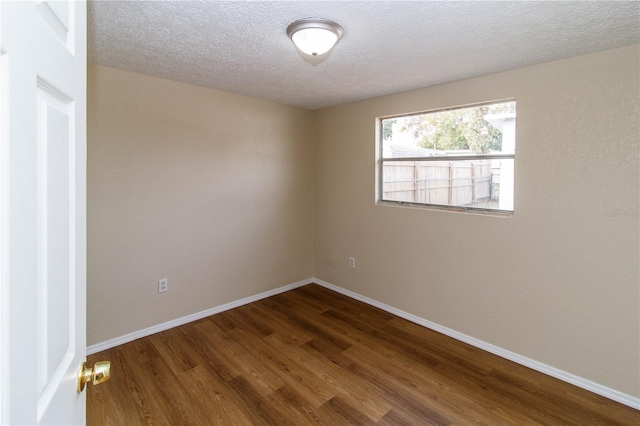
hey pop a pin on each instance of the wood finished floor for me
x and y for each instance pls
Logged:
(313, 356)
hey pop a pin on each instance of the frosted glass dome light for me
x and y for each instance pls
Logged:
(314, 36)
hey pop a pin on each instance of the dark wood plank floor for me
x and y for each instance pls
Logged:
(313, 356)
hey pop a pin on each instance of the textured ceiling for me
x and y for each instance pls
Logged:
(387, 47)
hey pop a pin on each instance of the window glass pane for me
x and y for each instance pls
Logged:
(486, 129)
(481, 183)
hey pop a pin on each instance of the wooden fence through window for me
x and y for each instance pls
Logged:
(439, 182)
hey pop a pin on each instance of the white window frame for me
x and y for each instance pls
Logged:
(466, 209)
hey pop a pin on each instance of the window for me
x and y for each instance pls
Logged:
(460, 158)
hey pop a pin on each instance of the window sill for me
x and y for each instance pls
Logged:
(451, 209)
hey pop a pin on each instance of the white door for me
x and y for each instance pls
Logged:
(43, 211)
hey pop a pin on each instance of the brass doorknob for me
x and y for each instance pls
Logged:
(100, 373)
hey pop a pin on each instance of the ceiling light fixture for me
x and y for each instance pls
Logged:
(314, 36)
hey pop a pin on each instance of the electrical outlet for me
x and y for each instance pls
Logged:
(352, 262)
(163, 285)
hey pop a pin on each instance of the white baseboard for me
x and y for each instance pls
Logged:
(596, 388)
(578, 381)
(112, 343)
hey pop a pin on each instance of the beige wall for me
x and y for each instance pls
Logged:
(558, 282)
(209, 189)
